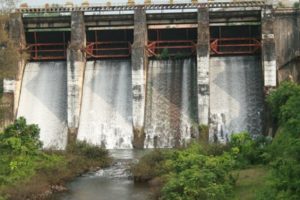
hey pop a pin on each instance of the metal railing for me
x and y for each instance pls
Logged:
(234, 46)
(171, 48)
(109, 49)
(47, 51)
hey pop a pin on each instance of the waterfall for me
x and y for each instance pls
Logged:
(171, 103)
(236, 96)
(106, 112)
(43, 101)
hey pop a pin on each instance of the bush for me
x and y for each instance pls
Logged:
(164, 55)
(26, 170)
(87, 150)
(280, 97)
(248, 150)
(151, 165)
(195, 175)
(190, 173)
(20, 149)
(285, 149)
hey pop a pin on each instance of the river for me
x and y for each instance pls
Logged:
(112, 183)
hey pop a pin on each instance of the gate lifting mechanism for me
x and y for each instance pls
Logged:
(112, 49)
(171, 48)
(234, 46)
(47, 51)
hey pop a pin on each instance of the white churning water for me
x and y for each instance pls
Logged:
(106, 112)
(43, 101)
(236, 96)
(170, 103)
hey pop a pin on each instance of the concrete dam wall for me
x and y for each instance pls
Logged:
(170, 116)
(145, 78)
(106, 116)
(236, 94)
(43, 101)
(171, 119)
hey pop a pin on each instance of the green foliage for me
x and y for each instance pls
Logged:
(198, 176)
(285, 150)
(151, 165)
(190, 173)
(20, 145)
(248, 150)
(279, 98)
(87, 150)
(26, 170)
(164, 55)
(296, 5)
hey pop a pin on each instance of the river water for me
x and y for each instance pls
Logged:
(113, 183)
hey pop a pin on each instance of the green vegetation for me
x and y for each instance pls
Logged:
(247, 167)
(283, 182)
(26, 170)
(249, 181)
(201, 171)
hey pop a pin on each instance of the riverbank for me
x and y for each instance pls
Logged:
(28, 172)
(53, 170)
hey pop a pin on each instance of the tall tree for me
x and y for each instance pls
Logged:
(7, 6)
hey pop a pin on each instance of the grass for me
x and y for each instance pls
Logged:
(249, 182)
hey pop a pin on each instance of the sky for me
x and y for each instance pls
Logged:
(78, 2)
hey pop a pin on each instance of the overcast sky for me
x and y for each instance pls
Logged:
(78, 2)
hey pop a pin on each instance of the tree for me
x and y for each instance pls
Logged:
(20, 148)
(6, 6)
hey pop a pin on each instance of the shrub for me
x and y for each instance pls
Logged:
(248, 150)
(87, 150)
(20, 145)
(164, 54)
(195, 175)
(151, 165)
(190, 173)
(285, 149)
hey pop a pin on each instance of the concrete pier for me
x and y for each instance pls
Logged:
(76, 65)
(203, 65)
(17, 34)
(139, 61)
(268, 48)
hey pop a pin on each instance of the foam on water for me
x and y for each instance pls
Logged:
(170, 103)
(106, 112)
(236, 96)
(43, 101)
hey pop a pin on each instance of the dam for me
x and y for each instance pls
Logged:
(150, 75)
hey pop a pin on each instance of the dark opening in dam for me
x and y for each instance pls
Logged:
(47, 45)
(235, 40)
(172, 42)
(103, 44)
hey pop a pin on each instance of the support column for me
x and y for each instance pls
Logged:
(268, 48)
(203, 49)
(17, 34)
(76, 66)
(139, 62)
